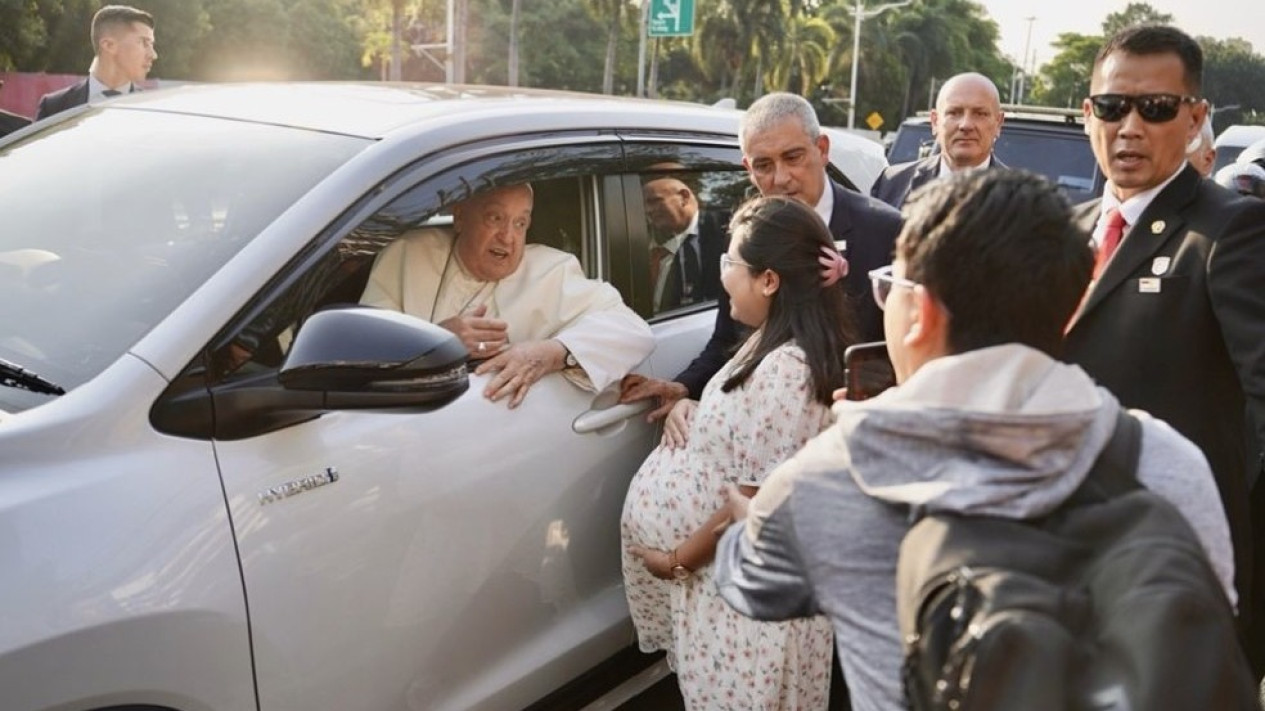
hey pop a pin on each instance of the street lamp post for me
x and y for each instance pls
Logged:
(860, 13)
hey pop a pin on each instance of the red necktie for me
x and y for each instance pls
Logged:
(657, 253)
(1110, 240)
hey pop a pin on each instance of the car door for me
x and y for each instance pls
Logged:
(463, 558)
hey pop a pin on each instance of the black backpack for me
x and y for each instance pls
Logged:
(1106, 604)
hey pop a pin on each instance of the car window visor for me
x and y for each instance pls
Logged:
(13, 375)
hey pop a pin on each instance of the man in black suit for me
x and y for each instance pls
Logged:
(966, 123)
(785, 153)
(1174, 321)
(123, 48)
(685, 257)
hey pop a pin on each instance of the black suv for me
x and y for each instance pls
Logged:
(1044, 140)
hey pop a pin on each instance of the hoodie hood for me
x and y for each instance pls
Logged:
(1002, 431)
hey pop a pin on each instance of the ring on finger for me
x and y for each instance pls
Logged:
(482, 347)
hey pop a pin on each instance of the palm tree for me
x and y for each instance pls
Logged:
(803, 53)
(612, 11)
(515, 9)
(734, 31)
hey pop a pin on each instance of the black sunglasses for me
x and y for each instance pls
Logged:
(1153, 108)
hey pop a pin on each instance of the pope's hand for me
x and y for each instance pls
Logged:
(483, 337)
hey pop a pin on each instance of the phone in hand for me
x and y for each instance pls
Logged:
(868, 370)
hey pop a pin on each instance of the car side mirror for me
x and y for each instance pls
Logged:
(375, 357)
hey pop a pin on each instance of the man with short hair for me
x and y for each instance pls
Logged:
(123, 49)
(785, 152)
(966, 122)
(1174, 321)
(984, 421)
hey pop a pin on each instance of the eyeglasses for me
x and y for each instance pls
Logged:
(727, 261)
(1153, 108)
(883, 280)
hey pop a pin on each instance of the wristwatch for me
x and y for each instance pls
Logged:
(568, 360)
(680, 572)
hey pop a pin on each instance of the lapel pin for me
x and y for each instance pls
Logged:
(1160, 265)
(1157, 227)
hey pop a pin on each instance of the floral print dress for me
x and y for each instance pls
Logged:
(724, 660)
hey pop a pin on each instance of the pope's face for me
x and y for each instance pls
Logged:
(492, 231)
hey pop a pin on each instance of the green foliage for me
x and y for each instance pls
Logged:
(741, 48)
(1234, 75)
(22, 33)
(1135, 13)
(1064, 81)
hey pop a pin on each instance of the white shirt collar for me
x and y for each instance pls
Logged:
(1132, 208)
(826, 203)
(946, 171)
(96, 88)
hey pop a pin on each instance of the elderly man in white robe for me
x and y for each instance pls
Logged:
(528, 309)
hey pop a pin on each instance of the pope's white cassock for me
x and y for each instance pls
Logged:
(548, 296)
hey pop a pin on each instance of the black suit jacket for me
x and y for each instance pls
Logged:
(10, 122)
(58, 101)
(869, 227)
(713, 241)
(896, 182)
(1176, 326)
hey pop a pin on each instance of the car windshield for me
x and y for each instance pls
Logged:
(112, 219)
(1066, 159)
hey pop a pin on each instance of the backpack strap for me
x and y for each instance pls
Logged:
(1115, 471)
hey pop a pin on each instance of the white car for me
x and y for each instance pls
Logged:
(217, 493)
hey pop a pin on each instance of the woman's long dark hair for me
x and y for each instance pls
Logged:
(786, 236)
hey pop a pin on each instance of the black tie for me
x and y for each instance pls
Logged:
(690, 272)
(110, 93)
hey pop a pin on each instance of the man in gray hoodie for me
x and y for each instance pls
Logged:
(988, 270)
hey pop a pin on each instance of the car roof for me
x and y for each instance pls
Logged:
(378, 110)
(1240, 135)
(374, 110)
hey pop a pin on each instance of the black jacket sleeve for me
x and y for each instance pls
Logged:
(725, 338)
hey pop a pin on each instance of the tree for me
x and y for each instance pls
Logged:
(22, 33)
(1064, 81)
(802, 55)
(612, 13)
(1234, 75)
(1135, 13)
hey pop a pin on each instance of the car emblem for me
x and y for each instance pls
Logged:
(297, 486)
(1160, 265)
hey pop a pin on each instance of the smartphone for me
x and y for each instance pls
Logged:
(867, 370)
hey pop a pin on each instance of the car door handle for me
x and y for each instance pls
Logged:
(594, 420)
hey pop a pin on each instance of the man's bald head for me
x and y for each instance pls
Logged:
(967, 120)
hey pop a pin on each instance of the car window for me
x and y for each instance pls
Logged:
(686, 216)
(109, 226)
(712, 178)
(565, 215)
(1063, 156)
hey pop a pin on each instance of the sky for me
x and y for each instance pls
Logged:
(1216, 18)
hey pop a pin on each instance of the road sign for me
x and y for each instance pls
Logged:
(671, 18)
(874, 120)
